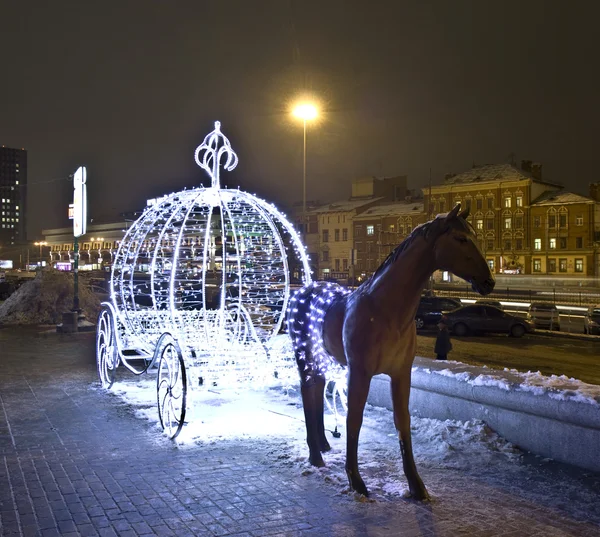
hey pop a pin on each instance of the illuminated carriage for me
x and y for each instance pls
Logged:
(199, 288)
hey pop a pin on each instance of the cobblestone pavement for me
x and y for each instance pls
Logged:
(73, 461)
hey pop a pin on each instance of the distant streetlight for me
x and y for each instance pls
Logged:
(305, 112)
(41, 244)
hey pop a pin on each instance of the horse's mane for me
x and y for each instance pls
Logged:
(428, 230)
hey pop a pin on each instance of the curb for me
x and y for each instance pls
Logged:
(546, 424)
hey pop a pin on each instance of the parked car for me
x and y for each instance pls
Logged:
(481, 318)
(544, 315)
(431, 307)
(591, 320)
(490, 302)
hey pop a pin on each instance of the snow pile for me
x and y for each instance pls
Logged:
(560, 387)
(44, 299)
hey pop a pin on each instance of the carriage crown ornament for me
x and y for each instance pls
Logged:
(199, 288)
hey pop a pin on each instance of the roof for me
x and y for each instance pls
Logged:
(343, 206)
(492, 172)
(552, 197)
(391, 209)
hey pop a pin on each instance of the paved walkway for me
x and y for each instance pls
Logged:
(76, 461)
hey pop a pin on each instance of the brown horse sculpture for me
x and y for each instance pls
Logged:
(372, 330)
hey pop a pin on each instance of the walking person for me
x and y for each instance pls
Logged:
(443, 345)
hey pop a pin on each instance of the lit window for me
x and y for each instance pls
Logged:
(370, 230)
(479, 223)
(579, 220)
(537, 265)
(508, 222)
(537, 244)
(552, 244)
(519, 201)
(579, 265)
(507, 202)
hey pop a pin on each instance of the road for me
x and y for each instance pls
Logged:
(551, 355)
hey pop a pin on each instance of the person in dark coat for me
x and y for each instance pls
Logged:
(443, 345)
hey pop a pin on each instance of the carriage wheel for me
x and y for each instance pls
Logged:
(171, 388)
(107, 358)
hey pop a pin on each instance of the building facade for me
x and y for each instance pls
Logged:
(378, 230)
(13, 196)
(524, 225)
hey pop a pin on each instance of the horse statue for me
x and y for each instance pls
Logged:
(372, 330)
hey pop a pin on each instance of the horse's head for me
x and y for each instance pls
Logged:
(456, 251)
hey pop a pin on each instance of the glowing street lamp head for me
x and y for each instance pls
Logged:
(306, 111)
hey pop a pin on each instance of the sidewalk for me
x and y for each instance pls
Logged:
(74, 460)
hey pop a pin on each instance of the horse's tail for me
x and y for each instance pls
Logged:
(298, 314)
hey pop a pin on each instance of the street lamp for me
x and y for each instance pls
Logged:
(41, 244)
(306, 112)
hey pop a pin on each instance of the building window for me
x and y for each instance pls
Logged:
(551, 265)
(562, 220)
(401, 229)
(508, 222)
(490, 223)
(519, 201)
(490, 244)
(562, 265)
(579, 220)
(358, 230)
(551, 221)
(507, 202)
(519, 222)
(537, 221)
(345, 234)
(490, 263)
(508, 244)
(490, 203)
(392, 228)
(578, 242)
(537, 265)
(479, 223)
(563, 243)
(325, 235)
(337, 265)
(370, 230)
(336, 235)
(519, 244)
(552, 244)
(579, 265)
(442, 206)
(479, 204)
(537, 244)
(325, 255)
(345, 264)
(468, 203)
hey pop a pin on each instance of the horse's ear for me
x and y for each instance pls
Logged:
(453, 212)
(464, 214)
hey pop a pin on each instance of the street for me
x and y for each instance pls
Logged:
(549, 354)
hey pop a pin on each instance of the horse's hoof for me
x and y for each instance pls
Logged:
(420, 495)
(317, 461)
(358, 485)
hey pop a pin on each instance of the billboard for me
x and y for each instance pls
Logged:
(6, 264)
(79, 202)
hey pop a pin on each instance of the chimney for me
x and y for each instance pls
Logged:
(595, 191)
(536, 171)
(526, 166)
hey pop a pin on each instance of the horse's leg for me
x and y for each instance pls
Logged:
(312, 389)
(320, 411)
(358, 390)
(400, 396)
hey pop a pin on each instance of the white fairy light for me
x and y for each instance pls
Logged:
(210, 267)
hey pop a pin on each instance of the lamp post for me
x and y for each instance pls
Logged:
(305, 112)
(41, 244)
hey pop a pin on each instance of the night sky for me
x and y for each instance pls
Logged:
(130, 88)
